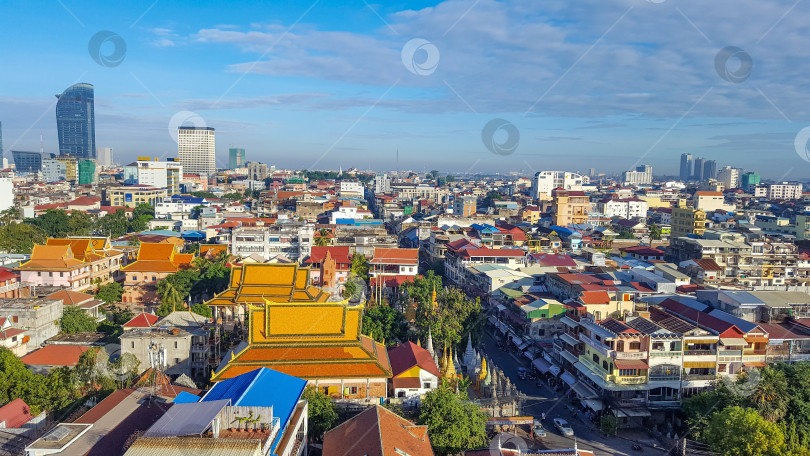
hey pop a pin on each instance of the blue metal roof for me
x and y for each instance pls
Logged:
(262, 387)
(186, 398)
(744, 325)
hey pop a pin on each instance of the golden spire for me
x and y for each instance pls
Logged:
(483, 373)
(451, 370)
(418, 342)
(433, 299)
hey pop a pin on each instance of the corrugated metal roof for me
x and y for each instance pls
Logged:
(186, 419)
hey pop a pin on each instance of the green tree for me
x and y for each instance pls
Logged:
(455, 424)
(385, 324)
(202, 309)
(322, 237)
(75, 320)
(170, 298)
(454, 316)
(771, 395)
(322, 412)
(20, 237)
(138, 224)
(738, 431)
(608, 425)
(360, 266)
(113, 225)
(79, 223)
(110, 292)
(212, 275)
(698, 409)
(655, 232)
(10, 215)
(54, 222)
(143, 209)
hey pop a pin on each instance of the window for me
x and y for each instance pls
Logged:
(14, 339)
(604, 365)
(620, 345)
(326, 390)
(595, 358)
(353, 390)
(134, 278)
(175, 344)
(50, 274)
(627, 372)
(61, 274)
(39, 274)
(154, 279)
(635, 345)
(426, 385)
(133, 344)
(659, 346)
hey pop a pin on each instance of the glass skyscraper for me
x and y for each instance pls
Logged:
(236, 158)
(76, 121)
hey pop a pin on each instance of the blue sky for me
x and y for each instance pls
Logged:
(593, 83)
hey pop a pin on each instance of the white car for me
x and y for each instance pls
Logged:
(563, 427)
(539, 432)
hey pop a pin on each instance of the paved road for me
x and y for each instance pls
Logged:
(544, 399)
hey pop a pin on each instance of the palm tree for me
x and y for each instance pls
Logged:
(170, 295)
(322, 238)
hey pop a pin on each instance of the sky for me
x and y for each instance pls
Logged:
(458, 86)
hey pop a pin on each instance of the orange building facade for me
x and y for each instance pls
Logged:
(154, 262)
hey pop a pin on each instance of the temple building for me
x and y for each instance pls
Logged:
(294, 330)
(75, 263)
(155, 261)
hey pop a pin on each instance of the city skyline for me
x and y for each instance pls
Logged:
(616, 84)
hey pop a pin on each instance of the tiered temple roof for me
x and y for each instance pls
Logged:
(294, 330)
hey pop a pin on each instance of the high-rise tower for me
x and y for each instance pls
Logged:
(76, 121)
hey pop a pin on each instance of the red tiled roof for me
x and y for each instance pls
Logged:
(395, 256)
(707, 193)
(551, 259)
(340, 254)
(708, 264)
(11, 332)
(15, 414)
(84, 201)
(408, 355)
(595, 297)
(642, 250)
(7, 274)
(144, 320)
(377, 432)
(55, 355)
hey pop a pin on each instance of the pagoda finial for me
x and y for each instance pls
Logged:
(451, 369)
(433, 299)
(429, 344)
(418, 342)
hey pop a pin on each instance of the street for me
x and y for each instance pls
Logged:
(544, 400)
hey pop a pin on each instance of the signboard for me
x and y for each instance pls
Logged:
(128, 197)
(508, 421)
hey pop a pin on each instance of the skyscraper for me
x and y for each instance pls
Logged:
(196, 150)
(236, 158)
(686, 167)
(749, 180)
(697, 172)
(76, 121)
(105, 156)
(28, 162)
(709, 169)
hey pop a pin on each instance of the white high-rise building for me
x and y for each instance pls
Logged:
(6, 193)
(545, 181)
(382, 183)
(160, 174)
(641, 176)
(196, 148)
(104, 156)
(729, 176)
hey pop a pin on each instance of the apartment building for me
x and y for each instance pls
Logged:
(570, 207)
(784, 191)
(196, 149)
(133, 195)
(292, 239)
(39, 317)
(686, 221)
(627, 208)
(74, 263)
(544, 182)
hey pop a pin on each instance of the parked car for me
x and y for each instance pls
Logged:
(563, 427)
(539, 431)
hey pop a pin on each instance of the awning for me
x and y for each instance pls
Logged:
(754, 363)
(594, 404)
(570, 357)
(541, 365)
(699, 364)
(569, 322)
(628, 412)
(754, 339)
(501, 307)
(517, 340)
(568, 378)
(555, 370)
(584, 391)
(568, 339)
(701, 341)
(529, 355)
(524, 345)
(493, 320)
(503, 328)
(631, 364)
(733, 341)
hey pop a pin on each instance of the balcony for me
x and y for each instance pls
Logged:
(664, 378)
(593, 367)
(595, 344)
(625, 355)
(730, 353)
(630, 380)
(700, 352)
(657, 353)
(688, 377)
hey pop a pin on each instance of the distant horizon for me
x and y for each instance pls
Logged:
(612, 84)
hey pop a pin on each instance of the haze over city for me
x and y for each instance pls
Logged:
(604, 84)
